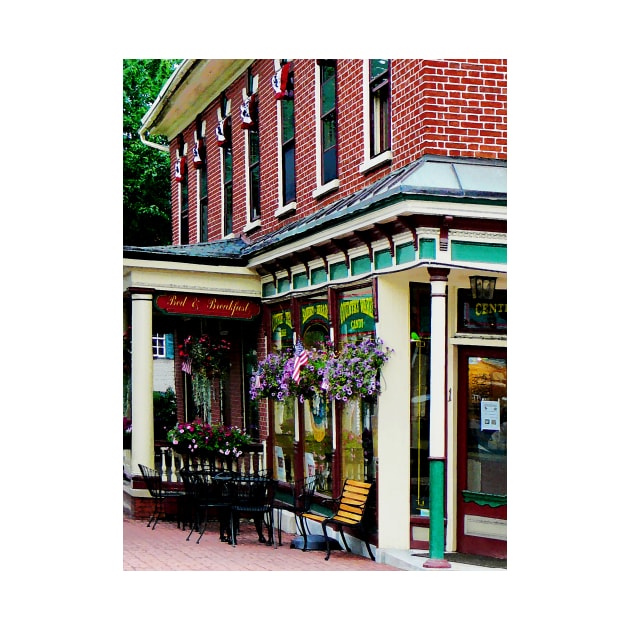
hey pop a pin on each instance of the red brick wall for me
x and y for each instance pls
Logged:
(445, 107)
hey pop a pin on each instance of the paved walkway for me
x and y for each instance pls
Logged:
(165, 548)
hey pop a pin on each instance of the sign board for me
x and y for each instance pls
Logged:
(482, 316)
(218, 306)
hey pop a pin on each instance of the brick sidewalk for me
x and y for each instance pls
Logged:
(165, 549)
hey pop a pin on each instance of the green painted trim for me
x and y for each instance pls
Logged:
(338, 271)
(427, 248)
(283, 285)
(268, 289)
(436, 508)
(318, 276)
(479, 252)
(382, 259)
(360, 265)
(483, 498)
(300, 281)
(405, 253)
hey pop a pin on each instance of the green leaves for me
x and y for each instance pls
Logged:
(146, 171)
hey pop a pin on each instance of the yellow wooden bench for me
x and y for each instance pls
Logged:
(350, 512)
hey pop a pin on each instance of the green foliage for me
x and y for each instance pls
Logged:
(146, 180)
(164, 413)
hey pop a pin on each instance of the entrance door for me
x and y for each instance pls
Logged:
(482, 452)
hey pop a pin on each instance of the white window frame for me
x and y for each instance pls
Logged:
(205, 165)
(282, 210)
(249, 225)
(333, 184)
(228, 112)
(386, 156)
(159, 346)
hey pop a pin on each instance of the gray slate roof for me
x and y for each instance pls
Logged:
(431, 177)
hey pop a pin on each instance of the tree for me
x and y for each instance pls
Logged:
(146, 180)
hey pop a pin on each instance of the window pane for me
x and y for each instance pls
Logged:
(204, 220)
(377, 67)
(329, 132)
(487, 448)
(227, 165)
(288, 173)
(254, 147)
(284, 429)
(254, 193)
(358, 432)
(420, 328)
(328, 92)
(330, 165)
(227, 199)
(318, 442)
(288, 130)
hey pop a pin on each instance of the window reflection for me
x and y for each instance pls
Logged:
(487, 445)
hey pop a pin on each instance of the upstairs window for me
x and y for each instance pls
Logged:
(249, 118)
(288, 151)
(254, 175)
(199, 161)
(224, 140)
(282, 84)
(181, 173)
(328, 118)
(380, 106)
(227, 191)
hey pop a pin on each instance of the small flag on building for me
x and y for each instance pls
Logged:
(301, 359)
(187, 365)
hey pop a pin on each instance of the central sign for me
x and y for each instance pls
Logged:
(207, 306)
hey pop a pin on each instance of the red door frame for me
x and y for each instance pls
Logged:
(473, 544)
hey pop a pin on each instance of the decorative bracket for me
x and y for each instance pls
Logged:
(366, 241)
(447, 222)
(409, 224)
(387, 233)
(342, 246)
(319, 253)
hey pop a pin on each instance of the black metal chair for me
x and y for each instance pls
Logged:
(155, 486)
(302, 492)
(253, 496)
(208, 494)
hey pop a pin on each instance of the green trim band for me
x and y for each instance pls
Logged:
(483, 498)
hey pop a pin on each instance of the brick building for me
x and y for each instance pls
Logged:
(330, 200)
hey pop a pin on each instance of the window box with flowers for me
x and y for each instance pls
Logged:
(206, 441)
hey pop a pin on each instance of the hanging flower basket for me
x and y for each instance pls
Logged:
(355, 372)
(204, 359)
(351, 373)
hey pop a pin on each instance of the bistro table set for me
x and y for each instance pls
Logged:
(221, 494)
(217, 494)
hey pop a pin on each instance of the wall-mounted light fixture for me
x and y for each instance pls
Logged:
(482, 287)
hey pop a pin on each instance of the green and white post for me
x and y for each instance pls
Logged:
(437, 416)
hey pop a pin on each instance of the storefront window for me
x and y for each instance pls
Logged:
(281, 330)
(420, 329)
(358, 417)
(284, 430)
(358, 428)
(487, 425)
(318, 441)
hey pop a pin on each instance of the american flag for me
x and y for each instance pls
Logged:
(301, 359)
(187, 365)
